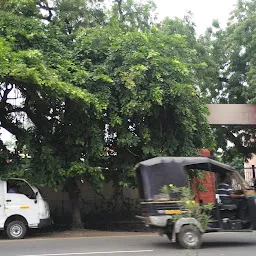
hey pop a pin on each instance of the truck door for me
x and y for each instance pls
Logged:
(2, 212)
(20, 199)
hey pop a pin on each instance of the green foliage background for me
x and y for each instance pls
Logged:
(89, 91)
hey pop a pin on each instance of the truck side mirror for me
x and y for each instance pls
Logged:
(36, 194)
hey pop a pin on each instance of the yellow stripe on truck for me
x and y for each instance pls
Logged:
(24, 207)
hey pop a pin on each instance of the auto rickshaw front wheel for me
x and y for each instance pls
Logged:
(189, 237)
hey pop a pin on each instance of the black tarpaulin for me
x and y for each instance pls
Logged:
(154, 173)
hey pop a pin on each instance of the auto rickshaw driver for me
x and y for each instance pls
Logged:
(228, 196)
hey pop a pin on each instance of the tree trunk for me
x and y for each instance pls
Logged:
(74, 196)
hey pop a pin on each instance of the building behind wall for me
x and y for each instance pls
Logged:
(248, 169)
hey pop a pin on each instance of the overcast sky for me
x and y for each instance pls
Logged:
(204, 11)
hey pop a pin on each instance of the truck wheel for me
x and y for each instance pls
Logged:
(16, 230)
(190, 237)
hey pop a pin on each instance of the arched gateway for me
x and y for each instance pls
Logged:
(228, 114)
(232, 114)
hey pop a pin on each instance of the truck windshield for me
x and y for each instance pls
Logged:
(20, 187)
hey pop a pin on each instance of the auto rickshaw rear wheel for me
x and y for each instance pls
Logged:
(189, 237)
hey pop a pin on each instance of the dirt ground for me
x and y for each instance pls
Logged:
(87, 233)
(46, 234)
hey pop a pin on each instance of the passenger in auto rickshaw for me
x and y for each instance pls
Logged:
(228, 196)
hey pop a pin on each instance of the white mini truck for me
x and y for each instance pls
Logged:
(21, 207)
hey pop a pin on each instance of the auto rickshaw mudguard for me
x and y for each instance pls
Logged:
(185, 221)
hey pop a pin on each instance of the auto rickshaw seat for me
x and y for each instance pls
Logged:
(229, 207)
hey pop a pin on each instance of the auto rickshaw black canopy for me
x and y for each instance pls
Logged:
(153, 173)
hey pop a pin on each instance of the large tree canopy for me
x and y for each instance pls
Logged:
(231, 75)
(97, 89)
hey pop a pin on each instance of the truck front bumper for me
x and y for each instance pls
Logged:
(45, 222)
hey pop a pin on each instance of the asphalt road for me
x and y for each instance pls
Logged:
(217, 244)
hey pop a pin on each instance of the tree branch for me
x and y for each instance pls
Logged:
(7, 90)
(238, 143)
(131, 152)
(35, 115)
(15, 110)
(69, 26)
(43, 4)
(119, 5)
(223, 79)
(12, 128)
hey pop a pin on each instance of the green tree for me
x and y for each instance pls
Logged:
(155, 108)
(231, 75)
(37, 62)
(91, 79)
